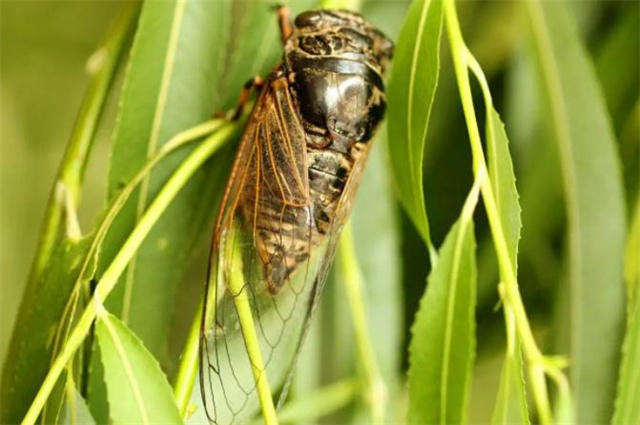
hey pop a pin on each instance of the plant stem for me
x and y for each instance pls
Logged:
(188, 368)
(110, 277)
(463, 60)
(178, 140)
(65, 194)
(352, 280)
(236, 287)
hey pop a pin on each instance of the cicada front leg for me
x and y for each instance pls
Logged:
(256, 83)
(285, 23)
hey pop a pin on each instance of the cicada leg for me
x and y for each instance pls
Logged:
(255, 83)
(285, 23)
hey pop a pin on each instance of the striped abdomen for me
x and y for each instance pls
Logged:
(286, 235)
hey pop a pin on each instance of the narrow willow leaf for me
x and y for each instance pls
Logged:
(627, 406)
(617, 64)
(27, 364)
(631, 256)
(137, 390)
(96, 388)
(511, 403)
(503, 181)
(412, 87)
(442, 344)
(375, 228)
(55, 264)
(75, 411)
(595, 209)
(168, 87)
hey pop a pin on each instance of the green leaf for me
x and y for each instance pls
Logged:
(511, 404)
(30, 354)
(511, 401)
(75, 411)
(375, 228)
(617, 62)
(412, 87)
(96, 388)
(540, 188)
(503, 181)
(137, 390)
(595, 209)
(627, 406)
(169, 86)
(442, 345)
(632, 253)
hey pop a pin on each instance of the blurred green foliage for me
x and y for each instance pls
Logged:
(44, 47)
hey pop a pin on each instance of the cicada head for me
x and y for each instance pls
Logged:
(341, 33)
(338, 60)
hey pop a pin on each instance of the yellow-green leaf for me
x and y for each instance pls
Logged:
(137, 390)
(412, 86)
(511, 403)
(595, 208)
(443, 343)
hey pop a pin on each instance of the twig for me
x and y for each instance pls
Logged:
(537, 365)
(110, 277)
(65, 194)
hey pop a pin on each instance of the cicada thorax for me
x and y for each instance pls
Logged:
(329, 88)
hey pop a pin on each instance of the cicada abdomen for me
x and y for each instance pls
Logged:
(290, 191)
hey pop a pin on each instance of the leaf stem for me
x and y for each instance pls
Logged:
(188, 368)
(91, 258)
(110, 277)
(67, 188)
(463, 60)
(352, 280)
(237, 288)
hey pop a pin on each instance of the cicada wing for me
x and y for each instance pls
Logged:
(264, 235)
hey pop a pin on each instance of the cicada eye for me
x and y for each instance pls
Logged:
(384, 45)
(308, 19)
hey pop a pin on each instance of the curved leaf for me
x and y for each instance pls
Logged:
(595, 209)
(29, 363)
(412, 86)
(137, 390)
(443, 334)
(627, 408)
(511, 403)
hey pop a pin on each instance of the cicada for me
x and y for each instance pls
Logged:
(290, 191)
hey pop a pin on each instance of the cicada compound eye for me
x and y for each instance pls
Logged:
(308, 19)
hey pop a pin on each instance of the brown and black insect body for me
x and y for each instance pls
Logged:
(325, 100)
(301, 157)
